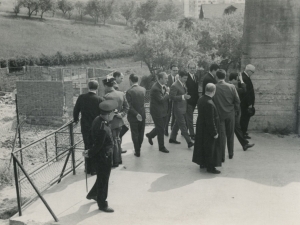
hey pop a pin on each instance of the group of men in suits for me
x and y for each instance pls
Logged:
(220, 111)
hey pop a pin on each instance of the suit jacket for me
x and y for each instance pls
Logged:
(135, 96)
(192, 89)
(122, 107)
(88, 105)
(226, 99)
(248, 98)
(158, 101)
(208, 78)
(176, 92)
(170, 80)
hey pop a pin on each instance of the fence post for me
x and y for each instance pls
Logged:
(72, 147)
(17, 184)
(46, 150)
(18, 127)
(56, 151)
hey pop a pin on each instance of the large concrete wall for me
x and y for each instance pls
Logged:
(271, 43)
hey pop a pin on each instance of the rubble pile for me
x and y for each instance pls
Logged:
(7, 98)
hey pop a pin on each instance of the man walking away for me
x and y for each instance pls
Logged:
(136, 116)
(207, 152)
(178, 93)
(210, 77)
(247, 99)
(159, 101)
(237, 80)
(88, 105)
(227, 102)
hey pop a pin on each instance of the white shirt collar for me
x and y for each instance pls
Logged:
(181, 83)
(134, 85)
(160, 84)
(246, 73)
(211, 74)
(92, 91)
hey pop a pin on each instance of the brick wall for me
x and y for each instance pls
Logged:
(271, 43)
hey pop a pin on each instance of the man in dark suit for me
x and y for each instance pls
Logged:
(171, 80)
(88, 106)
(192, 90)
(178, 93)
(210, 77)
(159, 101)
(207, 152)
(237, 80)
(247, 99)
(227, 102)
(136, 116)
(119, 79)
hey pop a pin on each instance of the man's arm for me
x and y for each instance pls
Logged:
(158, 96)
(129, 100)
(76, 110)
(236, 99)
(125, 107)
(173, 94)
(210, 120)
(98, 136)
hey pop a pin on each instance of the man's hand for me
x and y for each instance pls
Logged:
(215, 137)
(118, 115)
(139, 117)
(75, 122)
(187, 96)
(241, 77)
(167, 89)
(85, 153)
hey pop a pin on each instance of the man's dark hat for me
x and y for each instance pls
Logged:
(108, 105)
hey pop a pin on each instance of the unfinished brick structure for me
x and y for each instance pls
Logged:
(271, 43)
(45, 102)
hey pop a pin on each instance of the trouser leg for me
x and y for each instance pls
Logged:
(181, 124)
(103, 174)
(117, 158)
(222, 138)
(238, 131)
(229, 124)
(159, 129)
(190, 119)
(88, 162)
(134, 128)
(141, 129)
(245, 118)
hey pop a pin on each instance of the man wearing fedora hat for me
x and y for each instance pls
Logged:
(101, 153)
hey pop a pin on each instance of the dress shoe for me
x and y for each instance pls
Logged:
(245, 147)
(137, 154)
(106, 209)
(223, 160)
(149, 139)
(190, 144)
(93, 173)
(247, 137)
(213, 170)
(123, 151)
(164, 150)
(91, 198)
(174, 141)
(115, 165)
(166, 133)
(192, 137)
(230, 156)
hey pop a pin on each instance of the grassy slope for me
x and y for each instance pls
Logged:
(33, 37)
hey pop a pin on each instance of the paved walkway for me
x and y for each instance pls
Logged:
(259, 186)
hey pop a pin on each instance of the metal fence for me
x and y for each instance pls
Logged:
(45, 162)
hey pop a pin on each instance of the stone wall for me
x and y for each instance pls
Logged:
(271, 43)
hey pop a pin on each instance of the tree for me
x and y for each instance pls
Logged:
(92, 8)
(127, 10)
(168, 11)
(187, 23)
(106, 9)
(163, 44)
(80, 7)
(31, 5)
(147, 10)
(65, 6)
(201, 14)
(45, 6)
(140, 27)
(17, 6)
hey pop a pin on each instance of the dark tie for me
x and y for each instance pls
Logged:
(164, 89)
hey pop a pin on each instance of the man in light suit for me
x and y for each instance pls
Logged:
(136, 116)
(171, 80)
(159, 102)
(178, 93)
(227, 102)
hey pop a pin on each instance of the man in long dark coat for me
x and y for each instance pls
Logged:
(207, 152)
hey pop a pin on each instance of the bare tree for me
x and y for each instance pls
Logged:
(127, 10)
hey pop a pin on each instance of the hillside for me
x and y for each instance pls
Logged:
(24, 37)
